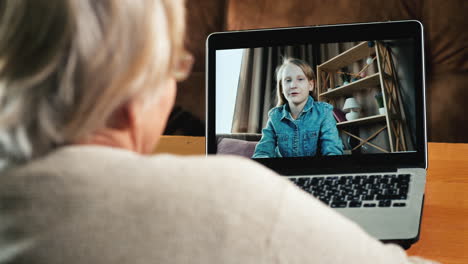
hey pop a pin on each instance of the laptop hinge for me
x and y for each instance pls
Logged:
(292, 172)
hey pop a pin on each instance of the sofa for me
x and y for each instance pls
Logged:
(446, 45)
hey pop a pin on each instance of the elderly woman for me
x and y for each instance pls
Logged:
(86, 87)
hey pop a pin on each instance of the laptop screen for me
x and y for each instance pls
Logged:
(321, 100)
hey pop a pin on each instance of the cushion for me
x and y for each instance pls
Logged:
(229, 146)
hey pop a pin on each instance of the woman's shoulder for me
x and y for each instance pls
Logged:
(91, 169)
(164, 189)
(229, 165)
(90, 163)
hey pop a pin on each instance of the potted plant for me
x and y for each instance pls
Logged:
(345, 78)
(380, 103)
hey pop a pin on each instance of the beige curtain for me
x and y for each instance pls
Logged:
(256, 92)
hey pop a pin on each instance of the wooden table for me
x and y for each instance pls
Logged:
(444, 230)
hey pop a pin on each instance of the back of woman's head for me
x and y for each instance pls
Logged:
(66, 65)
(305, 67)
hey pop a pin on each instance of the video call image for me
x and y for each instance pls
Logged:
(316, 99)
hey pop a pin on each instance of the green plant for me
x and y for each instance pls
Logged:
(379, 99)
(345, 78)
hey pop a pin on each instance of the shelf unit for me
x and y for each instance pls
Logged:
(363, 121)
(393, 121)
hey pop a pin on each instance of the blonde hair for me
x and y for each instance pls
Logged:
(66, 66)
(305, 67)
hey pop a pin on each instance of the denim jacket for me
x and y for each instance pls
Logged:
(315, 128)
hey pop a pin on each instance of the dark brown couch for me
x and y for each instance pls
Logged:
(446, 34)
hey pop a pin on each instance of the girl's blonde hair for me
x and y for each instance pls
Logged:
(66, 65)
(305, 67)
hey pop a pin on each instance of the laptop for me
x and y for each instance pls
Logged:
(354, 137)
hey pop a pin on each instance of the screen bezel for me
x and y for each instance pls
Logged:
(411, 29)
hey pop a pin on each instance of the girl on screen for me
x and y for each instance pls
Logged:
(298, 125)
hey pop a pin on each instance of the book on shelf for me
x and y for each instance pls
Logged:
(339, 115)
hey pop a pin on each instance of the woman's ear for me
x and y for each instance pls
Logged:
(124, 117)
(151, 118)
(137, 124)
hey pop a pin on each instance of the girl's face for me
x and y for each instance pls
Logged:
(296, 86)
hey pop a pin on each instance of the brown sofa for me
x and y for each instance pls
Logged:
(446, 45)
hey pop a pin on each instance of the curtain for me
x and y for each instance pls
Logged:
(256, 92)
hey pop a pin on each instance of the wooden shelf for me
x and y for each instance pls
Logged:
(362, 121)
(358, 52)
(348, 90)
(384, 79)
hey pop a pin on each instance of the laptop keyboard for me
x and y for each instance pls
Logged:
(359, 191)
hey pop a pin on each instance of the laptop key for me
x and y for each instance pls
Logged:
(402, 197)
(320, 194)
(356, 180)
(385, 186)
(404, 176)
(404, 179)
(342, 181)
(314, 181)
(338, 204)
(385, 203)
(362, 192)
(380, 197)
(355, 204)
(351, 191)
(356, 197)
(384, 180)
(388, 197)
(369, 180)
(325, 200)
(403, 191)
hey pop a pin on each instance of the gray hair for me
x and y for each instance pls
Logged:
(66, 65)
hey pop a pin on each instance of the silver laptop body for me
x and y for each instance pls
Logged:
(396, 220)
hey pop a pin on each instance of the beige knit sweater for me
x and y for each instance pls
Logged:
(104, 205)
